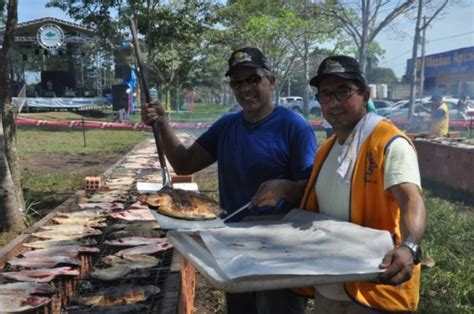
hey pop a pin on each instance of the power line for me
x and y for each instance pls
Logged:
(429, 41)
(454, 36)
(400, 55)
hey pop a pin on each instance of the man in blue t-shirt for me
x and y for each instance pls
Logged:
(251, 146)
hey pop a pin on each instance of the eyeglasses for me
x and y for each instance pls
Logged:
(341, 94)
(251, 81)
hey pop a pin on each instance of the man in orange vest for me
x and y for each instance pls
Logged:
(366, 173)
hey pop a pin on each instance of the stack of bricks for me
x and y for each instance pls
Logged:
(91, 184)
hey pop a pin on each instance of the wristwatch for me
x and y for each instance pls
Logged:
(415, 250)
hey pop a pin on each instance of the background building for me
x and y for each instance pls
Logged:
(448, 73)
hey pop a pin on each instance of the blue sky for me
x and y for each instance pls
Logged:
(455, 29)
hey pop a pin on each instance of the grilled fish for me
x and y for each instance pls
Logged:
(117, 295)
(57, 243)
(86, 221)
(145, 233)
(13, 303)
(182, 204)
(40, 275)
(145, 249)
(70, 251)
(67, 235)
(135, 225)
(91, 213)
(43, 261)
(26, 288)
(134, 241)
(111, 273)
(138, 261)
(133, 215)
(69, 228)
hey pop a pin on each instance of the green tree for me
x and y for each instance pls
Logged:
(363, 21)
(381, 76)
(11, 218)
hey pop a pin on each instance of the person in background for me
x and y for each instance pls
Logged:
(366, 173)
(49, 92)
(371, 106)
(251, 146)
(463, 103)
(439, 124)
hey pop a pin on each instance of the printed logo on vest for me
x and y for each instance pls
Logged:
(369, 171)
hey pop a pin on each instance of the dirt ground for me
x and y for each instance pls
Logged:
(84, 162)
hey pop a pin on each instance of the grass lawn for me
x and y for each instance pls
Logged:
(55, 162)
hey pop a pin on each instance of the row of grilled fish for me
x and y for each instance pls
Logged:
(61, 243)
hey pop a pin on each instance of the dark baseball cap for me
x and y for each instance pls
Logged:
(341, 66)
(247, 57)
(436, 97)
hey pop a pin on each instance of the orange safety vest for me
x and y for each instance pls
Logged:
(370, 207)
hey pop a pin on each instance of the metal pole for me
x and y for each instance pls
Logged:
(422, 70)
(84, 131)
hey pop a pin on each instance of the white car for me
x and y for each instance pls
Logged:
(296, 103)
(401, 113)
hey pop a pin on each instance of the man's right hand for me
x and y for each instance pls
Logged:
(154, 113)
(270, 193)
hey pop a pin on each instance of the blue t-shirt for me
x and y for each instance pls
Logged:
(281, 146)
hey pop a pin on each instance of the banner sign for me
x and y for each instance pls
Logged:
(459, 61)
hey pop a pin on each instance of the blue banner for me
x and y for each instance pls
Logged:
(459, 61)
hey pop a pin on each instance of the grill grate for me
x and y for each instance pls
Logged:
(158, 276)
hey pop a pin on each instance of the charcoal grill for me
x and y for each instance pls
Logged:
(160, 276)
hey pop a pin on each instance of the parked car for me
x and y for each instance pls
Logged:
(296, 103)
(400, 105)
(382, 105)
(402, 113)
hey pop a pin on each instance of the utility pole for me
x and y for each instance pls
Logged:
(422, 70)
(416, 40)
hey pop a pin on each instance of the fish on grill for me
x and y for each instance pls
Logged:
(133, 215)
(57, 243)
(139, 261)
(101, 205)
(117, 295)
(111, 273)
(182, 204)
(143, 232)
(120, 272)
(14, 303)
(91, 213)
(43, 261)
(67, 235)
(134, 241)
(67, 228)
(86, 221)
(134, 225)
(124, 267)
(145, 249)
(26, 288)
(70, 251)
(117, 309)
(40, 275)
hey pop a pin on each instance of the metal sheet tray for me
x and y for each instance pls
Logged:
(190, 246)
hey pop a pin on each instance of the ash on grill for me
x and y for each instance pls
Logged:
(158, 276)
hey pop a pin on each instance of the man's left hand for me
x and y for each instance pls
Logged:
(398, 265)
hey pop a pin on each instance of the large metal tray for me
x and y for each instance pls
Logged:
(193, 248)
